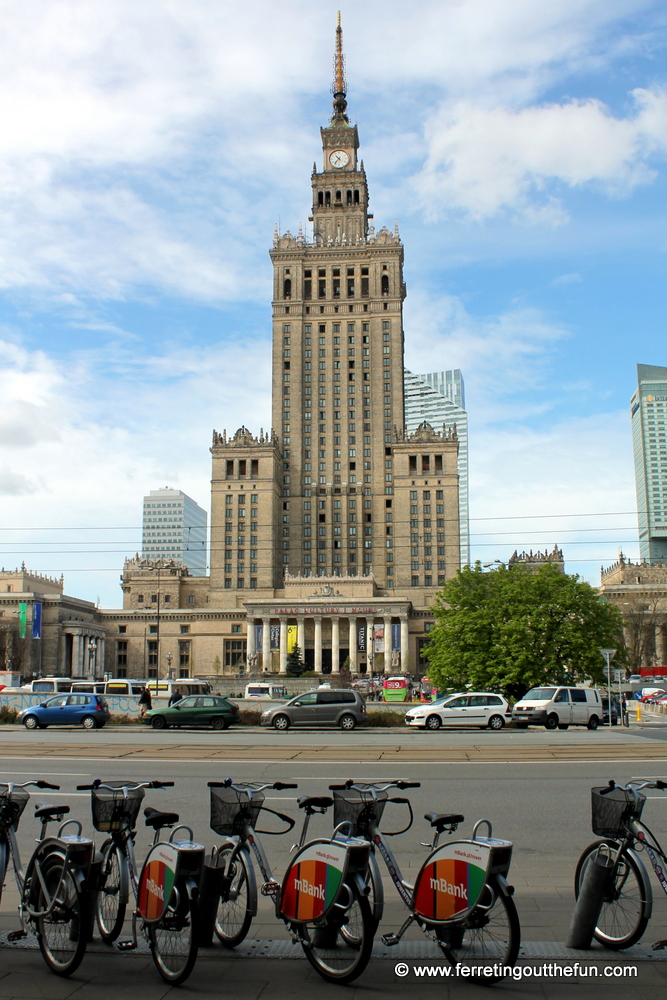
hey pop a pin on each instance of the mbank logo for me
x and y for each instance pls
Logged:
(155, 889)
(442, 885)
(301, 885)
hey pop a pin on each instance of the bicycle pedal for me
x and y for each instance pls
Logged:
(127, 945)
(659, 945)
(17, 935)
(390, 939)
(270, 888)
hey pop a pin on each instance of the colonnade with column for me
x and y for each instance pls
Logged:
(345, 638)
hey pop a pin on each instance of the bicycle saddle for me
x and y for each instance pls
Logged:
(441, 820)
(48, 812)
(314, 802)
(158, 819)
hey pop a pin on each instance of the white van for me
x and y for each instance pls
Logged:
(48, 685)
(559, 707)
(268, 692)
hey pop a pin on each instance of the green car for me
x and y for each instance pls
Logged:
(199, 710)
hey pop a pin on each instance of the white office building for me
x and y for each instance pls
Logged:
(439, 398)
(174, 527)
(648, 412)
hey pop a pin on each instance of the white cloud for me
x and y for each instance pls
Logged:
(567, 279)
(485, 160)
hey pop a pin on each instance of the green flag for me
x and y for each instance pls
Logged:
(23, 618)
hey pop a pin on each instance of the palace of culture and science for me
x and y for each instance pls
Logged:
(335, 529)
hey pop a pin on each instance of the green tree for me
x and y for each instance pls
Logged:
(295, 664)
(514, 628)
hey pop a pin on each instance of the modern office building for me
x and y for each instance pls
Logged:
(174, 527)
(439, 399)
(648, 411)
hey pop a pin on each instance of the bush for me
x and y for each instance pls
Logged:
(124, 720)
(250, 718)
(386, 719)
(7, 715)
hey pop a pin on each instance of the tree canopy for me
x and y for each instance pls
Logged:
(295, 664)
(515, 628)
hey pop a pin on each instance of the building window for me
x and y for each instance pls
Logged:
(185, 629)
(236, 629)
(184, 657)
(122, 629)
(191, 599)
(140, 598)
(234, 652)
(121, 653)
(152, 654)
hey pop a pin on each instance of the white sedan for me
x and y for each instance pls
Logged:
(477, 708)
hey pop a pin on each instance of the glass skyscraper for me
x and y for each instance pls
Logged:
(174, 527)
(648, 410)
(439, 398)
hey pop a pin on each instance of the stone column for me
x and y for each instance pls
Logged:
(301, 636)
(352, 644)
(266, 643)
(387, 644)
(283, 645)
(660, 650)
(101, 657)
(318, 644)
(335, 645)
(370, 660)
(251, 647)
(79, 659)
(405, 645)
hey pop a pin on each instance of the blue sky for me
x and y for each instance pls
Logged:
(146, 152)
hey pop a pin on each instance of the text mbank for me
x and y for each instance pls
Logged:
(310, 890)
(442, 885)
(155, 889)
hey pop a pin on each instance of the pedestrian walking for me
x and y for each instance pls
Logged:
(145, 701)
(176, 696)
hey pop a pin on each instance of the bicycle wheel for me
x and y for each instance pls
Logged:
(490, 935)
(174, 938)
(233, 918)
(341, 949)
(110, 909)
(61, 931)
(627, 909)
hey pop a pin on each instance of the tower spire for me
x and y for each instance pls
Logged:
(339, 85)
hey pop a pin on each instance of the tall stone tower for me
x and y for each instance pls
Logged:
(338, 367)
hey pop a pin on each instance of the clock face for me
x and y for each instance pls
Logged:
(339, 158)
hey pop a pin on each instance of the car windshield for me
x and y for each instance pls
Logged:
(540, 694)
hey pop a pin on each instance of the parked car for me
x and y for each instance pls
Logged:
(559, 708)
(202, 710)
(87, 710)
(476, 708)
(326, 707)
(635, 679)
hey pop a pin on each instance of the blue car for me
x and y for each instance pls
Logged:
(87, 710)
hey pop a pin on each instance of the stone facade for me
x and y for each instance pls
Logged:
(639, 590)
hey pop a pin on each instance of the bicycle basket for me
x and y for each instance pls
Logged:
(231, 810)
(113, 811)
(610, 813)
(358, 808)
(11, 807)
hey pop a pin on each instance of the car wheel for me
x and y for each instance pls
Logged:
(88, 722)
(30, 722)
(496, 722)
(552, 722)
(282, 723)
(219, 723)
(433, 722)
(563, 725)
(348, 722)
(158, 722)
(593, 722)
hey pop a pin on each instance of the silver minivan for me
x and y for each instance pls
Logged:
(324, 707)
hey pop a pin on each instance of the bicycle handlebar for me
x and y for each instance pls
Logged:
(254, 786)
(363, 786)
(129, 784)
(24, 784)
(635, 786)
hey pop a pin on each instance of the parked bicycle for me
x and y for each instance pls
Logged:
(323, 895)
(628, 900)
(54, 888)
(165, 893)
(461, 896)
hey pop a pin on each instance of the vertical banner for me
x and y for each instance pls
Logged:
(361, 639)
(258, 638)
(292, 634)
(275, 637)
(23, 618)
(378, 638)
(395, 637)
(37, 621)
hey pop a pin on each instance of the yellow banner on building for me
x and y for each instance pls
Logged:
(292, 633)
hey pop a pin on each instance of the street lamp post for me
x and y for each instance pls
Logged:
(170, 657)
(608, 655)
